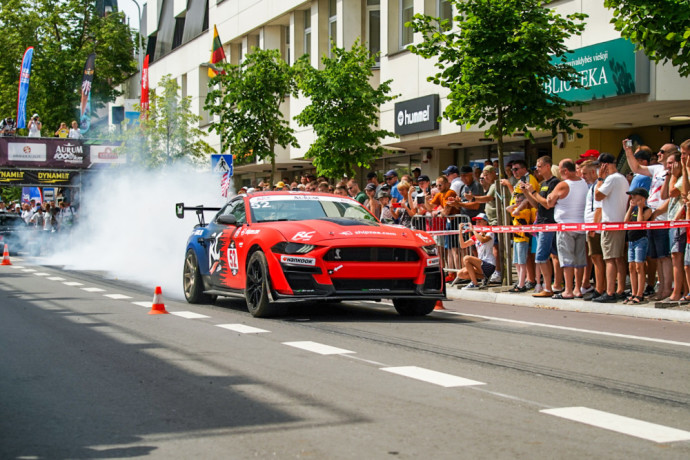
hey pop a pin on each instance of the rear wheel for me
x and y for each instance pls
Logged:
(256, 291)
(414, 307)
(191, 280)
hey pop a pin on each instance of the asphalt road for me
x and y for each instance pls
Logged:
(87, 373)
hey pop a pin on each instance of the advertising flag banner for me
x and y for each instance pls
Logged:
(85, 106)
(217, 54)
(144, 104)
(24, 77)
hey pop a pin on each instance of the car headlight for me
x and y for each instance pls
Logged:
(292, 248)
(431, 250)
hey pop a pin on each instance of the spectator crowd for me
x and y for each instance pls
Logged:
(594, 265)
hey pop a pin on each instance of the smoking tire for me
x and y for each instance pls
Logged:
(256, 291)
(191, 280)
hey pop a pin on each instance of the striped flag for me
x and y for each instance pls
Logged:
(23, 92)
(217, 55)
(225, 184)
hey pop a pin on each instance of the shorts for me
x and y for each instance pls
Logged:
(613, 244)
(659, 243)
(571, 249)
(546, 245)
(594, 244)
(532, 244)
(488, 269)
(686, 260)
(520, 249)
(678, 239)
(451, 241)
(637, 250)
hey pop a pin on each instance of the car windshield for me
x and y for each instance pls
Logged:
(273, 208)
(11, 221)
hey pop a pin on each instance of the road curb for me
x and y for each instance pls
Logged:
(646, 311)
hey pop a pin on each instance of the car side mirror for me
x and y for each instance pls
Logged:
(227, 219)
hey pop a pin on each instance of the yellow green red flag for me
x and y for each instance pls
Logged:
(217, 54)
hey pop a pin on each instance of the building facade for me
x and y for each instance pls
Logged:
(627, 95)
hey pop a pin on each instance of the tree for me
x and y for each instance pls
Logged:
(169, 135)
(661, 28)
(247, 100)
(344, 111)
(496, 64)
(63, 34)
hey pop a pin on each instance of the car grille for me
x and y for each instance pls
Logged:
(432, 280)
(373, 285)
(371, 254)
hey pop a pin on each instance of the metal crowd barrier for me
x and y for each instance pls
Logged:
(447, 232)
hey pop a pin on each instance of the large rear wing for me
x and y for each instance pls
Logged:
(180, 208)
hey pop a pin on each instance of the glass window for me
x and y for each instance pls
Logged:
(374, 28)
(406, 13)
(445, 11)
(332, 25)
(307, 32)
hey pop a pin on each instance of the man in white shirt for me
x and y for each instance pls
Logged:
(659, 240)
(611, 190)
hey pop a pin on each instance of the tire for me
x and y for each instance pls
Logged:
(256, 290)
(414, 307)
(192, 283)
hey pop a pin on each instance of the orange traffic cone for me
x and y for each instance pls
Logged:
(158, 308)
(6, 256)
(439, 305)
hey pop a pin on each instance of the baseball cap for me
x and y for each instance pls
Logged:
(606, 158)
(639, 191)
(383, 194)
(488, 168)
(370, 187)
(35, 115)
(481, 216)
(391, 173)
(423, 177)
(466, 169)
(590, 154)
(280, 184)
(417, 169)
(452, 169)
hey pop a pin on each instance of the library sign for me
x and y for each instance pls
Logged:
(606, 69)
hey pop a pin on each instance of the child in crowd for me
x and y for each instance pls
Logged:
(521, 241)
(638, 242)
(484, 265)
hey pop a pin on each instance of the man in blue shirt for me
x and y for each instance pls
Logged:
(391, 178)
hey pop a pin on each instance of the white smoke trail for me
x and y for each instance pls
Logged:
(128, 228)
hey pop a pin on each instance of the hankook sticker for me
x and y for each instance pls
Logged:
(308, 261)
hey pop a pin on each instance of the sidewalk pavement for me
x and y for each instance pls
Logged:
(671, 311)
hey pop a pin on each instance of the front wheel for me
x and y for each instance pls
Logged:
(414, 307)
(191, 280)
(256, 291)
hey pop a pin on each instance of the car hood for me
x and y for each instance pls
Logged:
(318, 230)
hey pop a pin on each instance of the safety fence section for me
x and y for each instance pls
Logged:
(583, 227)
(448, 232)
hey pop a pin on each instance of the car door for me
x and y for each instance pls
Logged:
(225, 248)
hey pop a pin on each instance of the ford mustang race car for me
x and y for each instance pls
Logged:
(276, 247)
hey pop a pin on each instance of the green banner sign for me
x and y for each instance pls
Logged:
(606, 69)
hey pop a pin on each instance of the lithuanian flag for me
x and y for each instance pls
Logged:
(217, 55)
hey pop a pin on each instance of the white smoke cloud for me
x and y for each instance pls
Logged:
(128, 229)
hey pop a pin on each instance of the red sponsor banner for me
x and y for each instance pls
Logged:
(582, 227)
(144, 103)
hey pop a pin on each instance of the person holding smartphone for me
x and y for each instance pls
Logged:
(35, 126)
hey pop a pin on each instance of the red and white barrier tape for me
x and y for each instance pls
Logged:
(577, 227)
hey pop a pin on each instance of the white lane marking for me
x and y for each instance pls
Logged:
(144, 304)
(429, 376)
(318, 348)
(188, 314)
(93, 289)
(620, 424)
(117, 296)
(28, 270)
(42, 274)
(572, 329)
(72, 283)
(56, 278)
(242, 328)
(16, 267)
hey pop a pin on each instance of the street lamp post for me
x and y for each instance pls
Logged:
(139, 38)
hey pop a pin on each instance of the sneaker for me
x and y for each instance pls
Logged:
(648, 290)
(622, 296)
(584, 290)
(530, 285)
(484, 283)
(605, 298)
(471, 286)
(591, 295)
(495, 277)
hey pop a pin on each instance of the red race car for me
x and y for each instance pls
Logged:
(275, 247)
